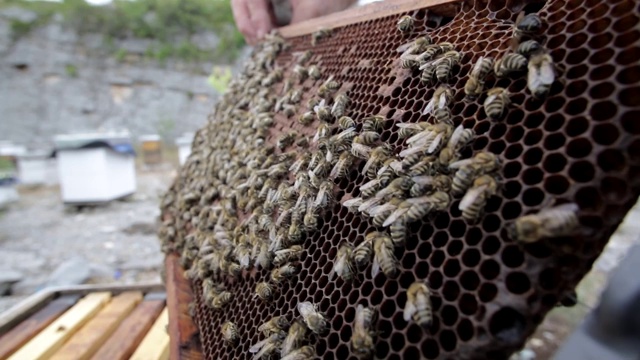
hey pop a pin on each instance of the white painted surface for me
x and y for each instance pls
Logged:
(95, 175)
(37, 170)
(184, 147)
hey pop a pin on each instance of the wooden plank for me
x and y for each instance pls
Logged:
(367, 12)
(49, 340)
(27, 329)
(183, 333)
(155, 346)
(125, 340)
(88, 340)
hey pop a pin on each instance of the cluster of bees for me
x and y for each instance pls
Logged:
(243, 201)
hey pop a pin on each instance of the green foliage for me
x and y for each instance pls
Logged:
(6, 165)
(219, 79)
(120, 55)
(20, 28)
(160, 20)
(71, 70)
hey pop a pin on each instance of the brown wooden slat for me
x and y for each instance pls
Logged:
(183, 333)
(367, 12)
(127, 337)
(90, 337)
(27, 329)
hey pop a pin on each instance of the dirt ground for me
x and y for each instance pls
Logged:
(118, 243)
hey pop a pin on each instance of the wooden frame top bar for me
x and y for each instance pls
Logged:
(358, 14)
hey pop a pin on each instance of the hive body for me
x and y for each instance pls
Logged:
(580, 144)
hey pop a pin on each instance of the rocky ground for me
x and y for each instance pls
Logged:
(43, 243)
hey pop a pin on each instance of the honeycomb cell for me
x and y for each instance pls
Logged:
(518, 283)
(506, 322)
(614, 160)
(533, 197)
(469, 280)
(582, 171)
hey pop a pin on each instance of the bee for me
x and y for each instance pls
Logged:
(460, 138)
(311, 103)
(406, 130)
(265, 349)
(314, 72)
(377, 157)
(383, 257)
(264, 256)
(304, 57)
(284, 272)
(527, 25)
(359, 148)
(372, 123)
(442, 96)
(299, 164)
(322, 132)
(295, 336)
(496, 103)
(314, 319)
(398, 232)
(331, 84)
(405, 24)
(222, 299)
(230, 332)
(528, 48)
(311, 218)
(475, 83)
(342, 166)
(275, 325)
(346, 122)
(319, 35)
(509, 63)
(561, 220)
(300, 73)
(296, 96)
(286, 255)
(381, 213)
(342, 265)
(424, 184)
(473, 202)
(362, 343)
(444, 67)
(541, 74)
(286, 140)
(396, 188)
(431, 51)
(418, 305)
(387, 171)
(322, 111)
(361, 254)
(339, 106)
(289, 110)
(431, 140)
(409, 61)
(415, 47)
(304, 353)
(303, 142)
(468, 169)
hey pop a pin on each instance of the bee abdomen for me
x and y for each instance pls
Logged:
(423, 317)
(398, 232)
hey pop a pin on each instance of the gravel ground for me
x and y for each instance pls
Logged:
(114, 243)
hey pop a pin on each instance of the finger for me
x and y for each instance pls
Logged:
(260, 15)
(242, 17)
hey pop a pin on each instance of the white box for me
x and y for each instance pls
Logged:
(94, 174)
(184, 147)
(36, 169)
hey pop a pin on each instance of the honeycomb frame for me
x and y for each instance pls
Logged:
(581, 144)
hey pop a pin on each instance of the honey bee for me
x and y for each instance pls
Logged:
(377, 157)
(409, 61)
(398, 232)
(342, 265)
(372, 123)
(362, 343)
(418, 305)
(319, 35)
(415, 47)
(383, 257)
(561, 220)
(296, 96)
(527, 25)
(496, 103)
(359, 148)
(414, 209)
(311, 103)
(409, 129)
(441, 98)
(424, 184)
(325, 194)
(388, 171)
(444, 67)
(429, 141)
(450, 153)
(362, 253)
(275, 325)
(314, 319)
(431, 51)
(541, 74)
(304, 57)
(339, 106)
(509, 63)
(322, 132)
(381, 213)
(284, 272)
(286, 255)
(342, 166)
(220, 300)
(396, 188)
(331, 84)
(474, 201)
(304, 353)
(346, 122)
(528, 48)
(286, 140)
(300, 72)
(268, 347)
(264, 256)
(299, 164)
(405, 24)
(230, 332)
(322, 111)
(314, 72)
(475, 83)
(468, 169)
(295, 336)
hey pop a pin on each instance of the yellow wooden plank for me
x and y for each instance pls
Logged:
(90, 337)
(43, 345)
(155, 346)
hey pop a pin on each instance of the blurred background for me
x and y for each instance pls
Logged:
(109, 93)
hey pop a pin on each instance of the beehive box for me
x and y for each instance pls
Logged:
(580, 144)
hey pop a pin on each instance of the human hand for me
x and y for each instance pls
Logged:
(253, 18)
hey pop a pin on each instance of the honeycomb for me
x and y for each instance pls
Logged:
(580, 144)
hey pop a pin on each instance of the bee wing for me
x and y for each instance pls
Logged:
(460, 163)
(372, 160)
(287, 345)
(382, 208)
(470, 196)
(396, 166)
(336, 168)
(432, 63)
(375, 266)
(477, 67)
(419, 137)
(547, 73)
(430, 106)
(412, 150)
(395, 216)
(455, 137)
(492, 98)
(369, 184)
(306, 308)
(353, 202)
(404, 48)
(245, 260)
(266, 348)
(345, 133)
(361, 149)
(370, 203)
(259, 345)
(423, 180)
(560, 209)
(409, 310)
(359, 321)
(435, 143)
